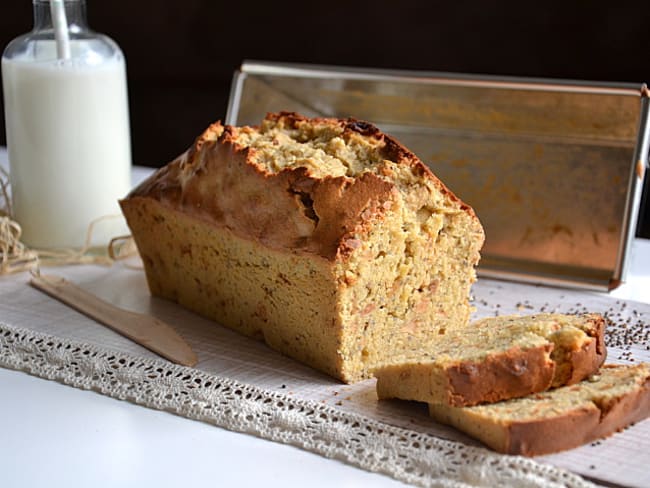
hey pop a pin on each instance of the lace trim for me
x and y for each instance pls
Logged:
(408, 456)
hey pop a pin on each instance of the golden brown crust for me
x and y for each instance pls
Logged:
(392, 149)
(577, 427)
(514, 374)
(580, 414)
(234, 192)
(545, 436)
(241, 201)
(585, 359)
(576, 360)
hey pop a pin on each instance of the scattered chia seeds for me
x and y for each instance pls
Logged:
(627, 335)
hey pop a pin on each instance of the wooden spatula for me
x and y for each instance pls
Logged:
(147, 331)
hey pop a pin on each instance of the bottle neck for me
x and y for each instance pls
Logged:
(75, 12)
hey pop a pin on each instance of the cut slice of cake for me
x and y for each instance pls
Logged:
(557, 419)
(498, 358)
(326, 238)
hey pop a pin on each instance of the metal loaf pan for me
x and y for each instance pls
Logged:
(553, 168)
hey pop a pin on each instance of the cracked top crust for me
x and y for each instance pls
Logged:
(305, 185)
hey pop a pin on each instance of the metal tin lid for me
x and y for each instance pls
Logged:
(553, 168)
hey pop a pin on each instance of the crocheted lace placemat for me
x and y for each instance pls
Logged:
(240, 384)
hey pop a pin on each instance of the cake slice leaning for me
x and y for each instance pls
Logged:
(496, 359)
(557, 419)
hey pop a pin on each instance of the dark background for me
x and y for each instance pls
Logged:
(181, 55)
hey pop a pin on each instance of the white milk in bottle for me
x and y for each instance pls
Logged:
(67, 132)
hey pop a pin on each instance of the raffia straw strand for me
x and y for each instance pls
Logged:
(16, 257)
(121, 247)
(56, 257)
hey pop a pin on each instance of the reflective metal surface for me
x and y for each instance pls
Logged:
(552, 168)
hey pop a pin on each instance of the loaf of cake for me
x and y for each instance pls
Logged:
(324, 237)
(498, 358)
(560, 418)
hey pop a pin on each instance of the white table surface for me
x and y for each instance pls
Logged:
(55, 435)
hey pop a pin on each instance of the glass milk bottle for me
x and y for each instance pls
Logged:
(66, 113)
